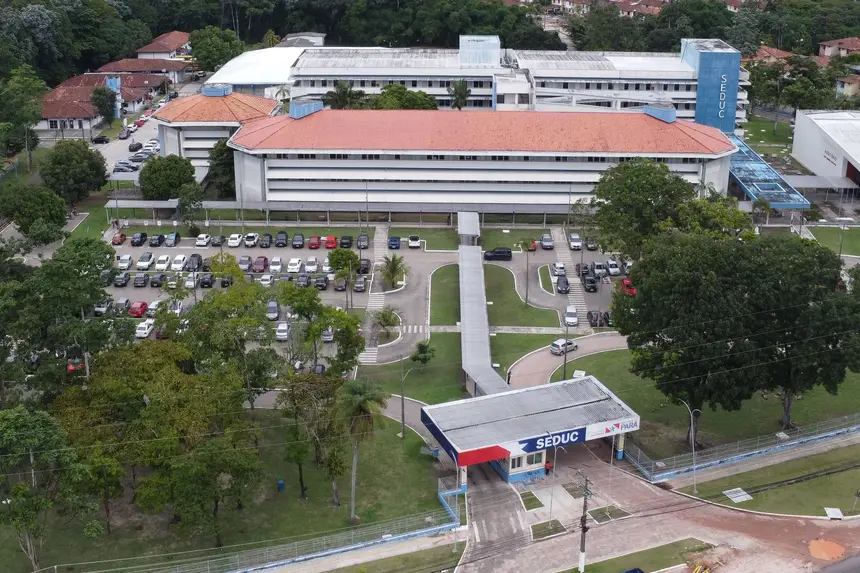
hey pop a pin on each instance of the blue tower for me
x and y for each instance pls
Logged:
(718, 66)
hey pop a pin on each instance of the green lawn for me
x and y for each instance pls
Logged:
(664, 425)
(760, 130)
(441, 558)
(22, 174)
(649, 560)
(547, 529)
(359, 312)
(530, 501)
(492, 238)
(545, 280)
(394, 480)
(505, 349)
(830, 237)
(507, 308)
(437, 382)
(608, 513)
(445, 296)
(92, 226)
(436, 238)
(805, 498)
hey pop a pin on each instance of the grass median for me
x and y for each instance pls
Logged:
(545, 279)
(436, 238)
(444, 558)
(505, 349)
(831, 236)
(445, 296)
(650, 560)
(492, 238)
(508, 309)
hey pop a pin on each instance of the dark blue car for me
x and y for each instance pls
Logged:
(393, 242)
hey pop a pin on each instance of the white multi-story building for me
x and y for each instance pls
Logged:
(442, 161)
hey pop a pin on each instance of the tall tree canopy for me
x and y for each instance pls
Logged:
(214, 47)
(162, 177)
(73, 170)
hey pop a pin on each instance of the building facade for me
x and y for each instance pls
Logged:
(841, 47)
(166, 46)
(828, 143)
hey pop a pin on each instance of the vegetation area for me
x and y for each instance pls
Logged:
(435, 238)
(530, 501)
(608, 513)
(545, 279)
(650, 560)
(761, 130)
(444, 558)
(547, 529)
(773, 488)
(445, 296)
(492, 238)
(505, 349)
(831, 237)
(507, 308)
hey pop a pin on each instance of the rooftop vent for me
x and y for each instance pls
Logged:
(302, 109)
(663, 112)
(216, 90)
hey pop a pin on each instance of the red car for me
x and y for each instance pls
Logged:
(75, 365)
(314, 242)
(533, 246)
(627, 287)
(139, 123)
(331, 242)
(118, 239)
(138, 309)
(260, 265)
(149, 112)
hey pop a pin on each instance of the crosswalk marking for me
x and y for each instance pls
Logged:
(576, 296)
(376, 300)
(411, 328)
(369, 356)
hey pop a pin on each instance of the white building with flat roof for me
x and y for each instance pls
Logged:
(828, 143)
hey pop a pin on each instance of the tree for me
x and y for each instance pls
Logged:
(283, 96)
(162, 177)
(22, 103)
(743, 34)
(270, 39)
(103, 479)
(386, 318)
(190, 200)
(394, 269)
(222, 171)
(41, 478)
(459, 92)
(424, 353)
(717, 216)
(73, 170)
(26, 205)
(636, 201)
(345, 262)
(396, 96)
(214, 47)
(343, 96)
(362, 405)
(603, 28)
(104, 99)
(768, 85)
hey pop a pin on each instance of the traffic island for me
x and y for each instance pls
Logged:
(608, 513)
(530, 501)
(547, 529)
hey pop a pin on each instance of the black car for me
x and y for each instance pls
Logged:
(194, 262)
(122, 279)
(172, 239)
(363, 242)
(101, 139)
(499, 254)
(141, 279)
(135, 146)
(562, 286)
(346, 242)
(156, 240)
(124, 134)
(340, 284)
(591, 243)
(207, 281)
(284, 278)
(298, 241)
(281, 239)
(206, 266)
(607, 318)
(123, 168)
(595, 318)
(582, 269)
(218, 240)
(226, 281)
(303, 280)
(321, 283)
(266, 241)
(360, 284)
(363, 266)
(174, 95)
(157, 280)
(138, 239)
(589, 283)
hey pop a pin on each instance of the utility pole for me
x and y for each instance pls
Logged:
(583, 524)
(564, 368)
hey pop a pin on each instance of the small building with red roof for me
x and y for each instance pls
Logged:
(175, 70)
(841, 47)
(166, 46)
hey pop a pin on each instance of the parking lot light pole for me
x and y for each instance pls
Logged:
(564, 367)
(555, 475)
(693, 441)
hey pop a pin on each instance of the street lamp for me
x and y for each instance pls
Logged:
(693, 440)
(842, 228)
(554, 473)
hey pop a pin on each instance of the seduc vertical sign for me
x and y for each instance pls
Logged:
(724, 80)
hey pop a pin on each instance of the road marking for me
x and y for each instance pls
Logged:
(576, 297)
(369, 356)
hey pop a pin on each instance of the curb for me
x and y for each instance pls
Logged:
(540, 282)
(578, 356)
(388, 292)
(399, 334)
(761, 513)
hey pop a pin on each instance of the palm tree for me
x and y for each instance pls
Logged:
(343, 97)
(283, 95)
(362, 405)
(524, 244)
(393, 267)
(459, 92)
(386, 319)
(270, 39)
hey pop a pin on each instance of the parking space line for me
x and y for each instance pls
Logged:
(576, 297)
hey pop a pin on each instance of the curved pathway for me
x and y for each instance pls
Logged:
(536, 368)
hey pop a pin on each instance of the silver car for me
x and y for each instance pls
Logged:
(613, 268)
(575, 241)
(273, 310)
(546, 241)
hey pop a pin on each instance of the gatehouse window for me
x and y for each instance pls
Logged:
(516, 463)
(534, 459)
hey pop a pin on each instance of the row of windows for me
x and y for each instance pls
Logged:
(526, 158)
(65, 123)
(625, 86)
(376, 83)
(531, 460)
(359, 183)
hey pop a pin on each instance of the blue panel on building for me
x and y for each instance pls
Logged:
(718, 68)
(439, 435)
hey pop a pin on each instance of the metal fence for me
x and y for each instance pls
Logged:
(660, 470)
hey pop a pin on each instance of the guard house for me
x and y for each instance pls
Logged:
(515, 431)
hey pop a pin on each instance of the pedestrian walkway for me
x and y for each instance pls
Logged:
(375, 301)
(412, 328)
(575, 297)
(369, 355)
(380, 244)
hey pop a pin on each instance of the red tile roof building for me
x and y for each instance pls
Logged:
(71, 99)
(143, 65)
(170, 42)
(233, 108)
(841, 47)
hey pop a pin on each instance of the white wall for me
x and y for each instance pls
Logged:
(716, 173)
(815, 150)
(249, 176)
(69, 132)
(155, 55)
(169, 138)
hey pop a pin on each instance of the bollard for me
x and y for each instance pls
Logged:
(280, 485)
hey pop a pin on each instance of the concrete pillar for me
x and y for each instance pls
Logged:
(619, 447)
(514, 219)
(328, 218)
(267, 217)
(544, 220)
(461, 476)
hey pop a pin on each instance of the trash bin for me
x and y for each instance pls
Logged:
(280, 485)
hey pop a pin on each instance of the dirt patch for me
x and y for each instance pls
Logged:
(826, 550)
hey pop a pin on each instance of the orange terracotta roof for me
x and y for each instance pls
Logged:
(167, 42)
(443, 130)
(766, 52)
(126, 80)
(235, 107)
(852, 79)
(822, 61)
(844, 43)
(143, 65)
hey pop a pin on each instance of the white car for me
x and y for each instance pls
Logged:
(162, 263)
(176, 307)
(235, 240)
(251, 240)
(145, 261)
(178, 263)
(414, 242)
(203, 240)
(574, 241)
(558, 270)
(276, 265)
(282, 332)
(267, 280)
(191, 280)
(294, 266)
(570, 316)
(132, 127)
(125, 262)
(326, 266)
(144, 329)
(628, 266)
(312, 265)
(174, 281)
(153, 308)
(612, 268)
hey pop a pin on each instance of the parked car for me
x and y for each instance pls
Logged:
(563, 346)
(531, 245)
(612, 268)
(363, 242)
(314, 242)
(124, 134)
(627, 287)
(154, 306)
(178, 263)
(195, 263)
(589, 283)
(546, 242)
(139, 157)
(206, 266)
(591, 243)
(157, 280)
(140, 122)
(598, 269)
(176, 307)
(103, 307)
(326, 266)
(235, 240)
(346, 242)
(582, 269)
(574, 241)
(276, 265)
(414, 242)
(118, 239)
(100, 139)
(557, 269)
(328, 335)
(360, 284)
(298, 241)
(156, 240)
(267, 280)
(245, 263)
(226, 281)
(144, 329)
(135, 146)
(207, 280)
(141, 280)
(125, 262)
(172, 239)
(273, 310)
(312, 265)
(627, 267)
(162, 263)
(282, 332)
(122, 305)
(266, 241)
(499, 254)
(260, 264)
(562, 285)
(321, 283)
(393, 242)
(218, 240)
(331, 242)
(138, 239)
(124, 168)
(571, 318)
(203, 240)
(340, 284)
(294, 266)
(607, 318)
(138, 309)
(363, 266)
(304, 280)
(281, 239)
(595, 318)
